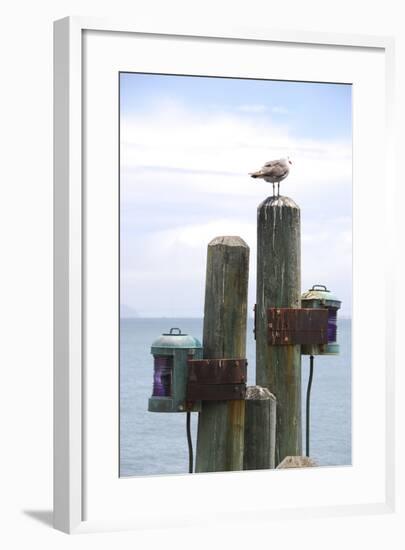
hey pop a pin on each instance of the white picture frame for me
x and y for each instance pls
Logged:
(74, 444)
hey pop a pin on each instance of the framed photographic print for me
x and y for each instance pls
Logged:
(217, 223)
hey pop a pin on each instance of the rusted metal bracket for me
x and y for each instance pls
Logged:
(291, 326)
(216, 379)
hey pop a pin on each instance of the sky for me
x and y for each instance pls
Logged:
(187, 145)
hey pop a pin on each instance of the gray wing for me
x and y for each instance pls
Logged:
(275, 169)
(271, 163)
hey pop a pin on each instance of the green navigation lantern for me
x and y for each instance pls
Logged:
(319, 297)
(171, 351)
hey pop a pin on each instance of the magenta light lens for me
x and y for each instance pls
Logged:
(332, 326)
(162, 376)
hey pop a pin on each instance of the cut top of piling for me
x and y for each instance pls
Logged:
(278, 202)
(258, 393)
(297, 462)
(228, 241)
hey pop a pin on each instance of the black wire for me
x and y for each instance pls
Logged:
(190, 444)
(311, 373)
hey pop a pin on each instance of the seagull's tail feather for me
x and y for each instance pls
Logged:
(255, 174)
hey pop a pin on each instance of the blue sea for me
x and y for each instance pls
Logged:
(153, 443)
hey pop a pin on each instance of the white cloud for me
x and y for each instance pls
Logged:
(205, 149)
(193, 235)
(172, 158)
(279, 110)
(252, 108)
(176, 259)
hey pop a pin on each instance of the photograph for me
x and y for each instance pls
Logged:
(235, 261)
(202, 222)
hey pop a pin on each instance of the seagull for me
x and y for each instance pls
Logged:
(274, 171)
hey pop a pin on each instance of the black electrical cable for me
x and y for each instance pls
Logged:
(311, 374)
(190, 444)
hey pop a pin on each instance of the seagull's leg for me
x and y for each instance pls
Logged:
(278, 189)
(274, 190)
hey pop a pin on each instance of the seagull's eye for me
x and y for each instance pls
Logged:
(290, 161)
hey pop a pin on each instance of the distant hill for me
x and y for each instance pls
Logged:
(127, 311)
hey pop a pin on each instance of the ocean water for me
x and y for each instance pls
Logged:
(155, 443)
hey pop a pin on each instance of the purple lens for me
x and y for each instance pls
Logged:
(332, 326)
(162, 376)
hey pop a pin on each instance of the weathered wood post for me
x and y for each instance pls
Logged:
(260, 429)
(278, 367)
(220, 437)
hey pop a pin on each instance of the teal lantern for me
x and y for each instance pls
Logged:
(171, 351)
(321, 298)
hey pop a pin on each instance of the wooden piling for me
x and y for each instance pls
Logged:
(278, 368)
(220, 437)
(260, 429)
